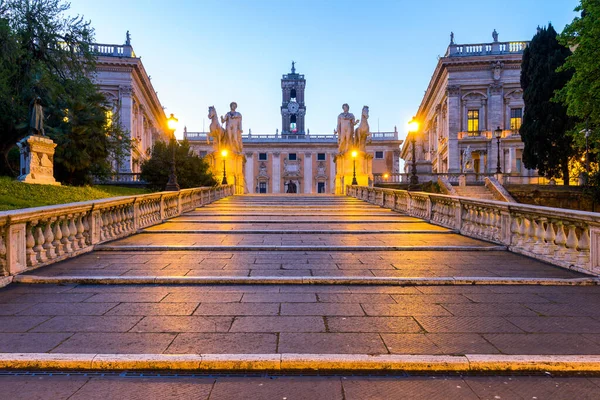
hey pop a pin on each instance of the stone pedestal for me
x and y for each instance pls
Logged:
(344, 170)
(37, 160)
(234, 169)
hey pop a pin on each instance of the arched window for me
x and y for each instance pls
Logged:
(293, 127)
(293, 95)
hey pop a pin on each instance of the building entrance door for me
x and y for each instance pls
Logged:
(262, 187)
(320, 187)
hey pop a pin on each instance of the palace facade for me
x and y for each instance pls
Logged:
(121, 77)
(474, 92)
(296, 161)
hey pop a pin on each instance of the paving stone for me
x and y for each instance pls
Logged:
(524, 387)
(20, 323)
(543, 343)
(224, 343)
(68, 309)
(278, 324)
(235, 309)
(41, 387)
(126, 297)
(295, 388)
(200, 297)
(426, 388)
(279, 298)
(331, 343)
(486, 309)
(178, 324)
(143, 389)
(84, 323)
(115, 343)
(404, 309)
(372, 324)
(355, 298)
(48, 298)
(557, 324)
(153, 309)
(467, 325)
(321, 309)
(31, 342)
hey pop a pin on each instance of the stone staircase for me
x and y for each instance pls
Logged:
(474, 192)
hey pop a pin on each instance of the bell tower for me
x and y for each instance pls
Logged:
(293, 109)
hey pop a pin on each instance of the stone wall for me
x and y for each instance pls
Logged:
(570, 197)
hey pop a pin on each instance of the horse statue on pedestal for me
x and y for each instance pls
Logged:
(361, 134)
(217, 133)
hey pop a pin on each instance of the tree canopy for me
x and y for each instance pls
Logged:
(192, 171)
(46, 53)
(546, 126)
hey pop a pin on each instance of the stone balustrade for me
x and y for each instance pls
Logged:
(35, 237)
(562, 237)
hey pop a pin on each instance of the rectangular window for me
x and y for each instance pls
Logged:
(262, 156)
(292, 156)
(516, 118)
(473, 120)
(320, 156)
(202, 154)
(519, 165)
(379, 155)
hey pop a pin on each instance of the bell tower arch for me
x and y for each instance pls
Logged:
(293, 108)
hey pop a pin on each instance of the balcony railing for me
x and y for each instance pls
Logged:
(482, 49)
(269, 137)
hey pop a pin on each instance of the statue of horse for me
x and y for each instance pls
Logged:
(361, 134)
(217, 133)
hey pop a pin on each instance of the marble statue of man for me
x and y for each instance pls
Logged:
(36, 117)
(233, 127)
(345, 129)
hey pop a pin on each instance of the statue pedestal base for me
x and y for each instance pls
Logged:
(234, 169)
(345, 168)
(37, 160)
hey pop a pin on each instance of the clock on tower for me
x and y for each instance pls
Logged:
(293, 108)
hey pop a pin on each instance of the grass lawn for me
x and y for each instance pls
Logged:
(15, 194)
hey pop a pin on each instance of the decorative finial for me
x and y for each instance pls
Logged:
(495, 35)
(539, 29)
(293, 67)
(451, 38)
(127, 39)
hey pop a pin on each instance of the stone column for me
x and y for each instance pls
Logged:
(331, 173)
(454, 115)
(249, 173)
(126, 118)
(308, 173)
(276, 172)
(496, 120)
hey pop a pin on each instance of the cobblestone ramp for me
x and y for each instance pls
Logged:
(294, 283)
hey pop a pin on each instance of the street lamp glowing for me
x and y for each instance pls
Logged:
(224, 153)
(386, 175)
(172, 122)
(413, 125)
(354, 153)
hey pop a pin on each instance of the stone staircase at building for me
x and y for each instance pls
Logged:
(474, 192)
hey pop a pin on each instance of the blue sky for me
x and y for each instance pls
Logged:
(376, 53)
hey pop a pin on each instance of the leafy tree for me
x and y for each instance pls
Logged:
(46, 53)
(192, 171)
(548, 146)
(581, 95)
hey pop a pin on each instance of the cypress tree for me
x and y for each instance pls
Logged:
(548, 146)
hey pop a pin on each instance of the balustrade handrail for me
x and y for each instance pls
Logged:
(34, 237)
(566, 238)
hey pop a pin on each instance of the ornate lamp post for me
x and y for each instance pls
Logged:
(413, 127)
(224, 154)
(498, 133)
(172, 185)
(354, 154)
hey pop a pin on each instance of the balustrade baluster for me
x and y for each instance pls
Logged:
(86, 229)
(540, 233)
(73, 233)
(49, 239)
(65, 234)
(571, 254)
(530, 236)
(583, 256)
(561, 241)
(39, 244)
(79, 229)
(29, 244)
(550, 237)
(59, 248)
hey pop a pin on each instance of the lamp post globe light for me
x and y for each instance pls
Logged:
(172, 185)
(224, 155)
(413, 128)
(354, 154)
(498, 134)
